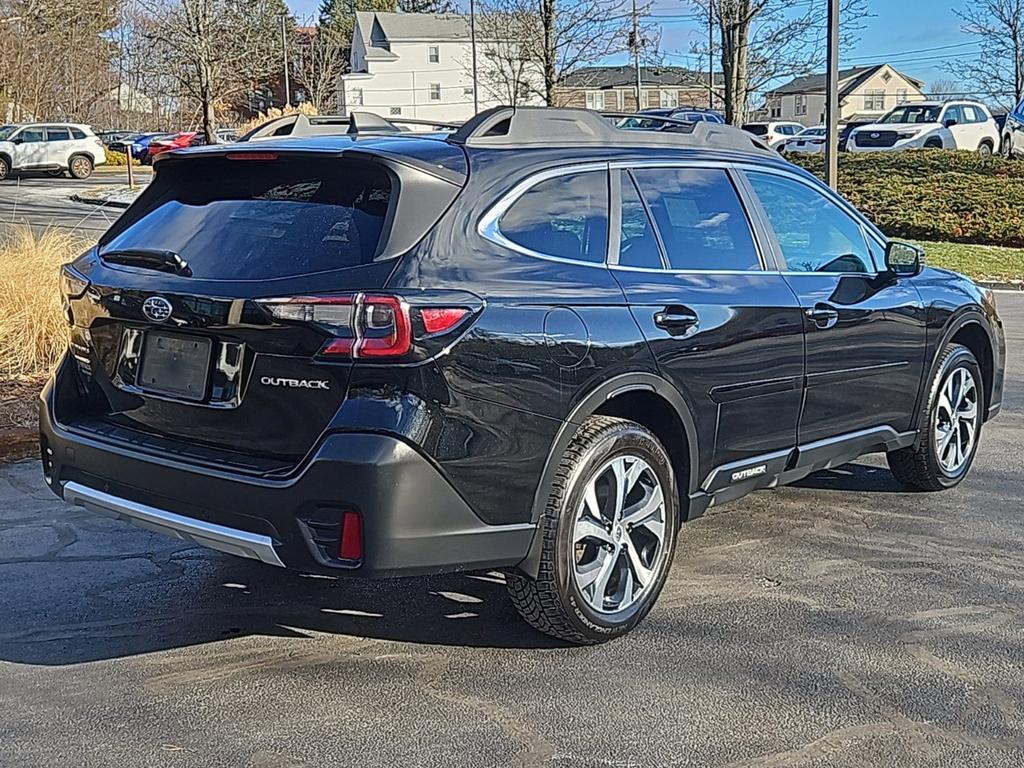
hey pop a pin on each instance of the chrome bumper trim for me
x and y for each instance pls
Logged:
(219, 537)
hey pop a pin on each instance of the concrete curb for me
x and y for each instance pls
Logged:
(102, 201)
(997, 285)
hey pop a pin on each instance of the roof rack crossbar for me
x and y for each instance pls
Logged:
(369, 122)
(511, 127)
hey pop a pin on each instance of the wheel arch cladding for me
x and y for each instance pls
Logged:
(971, 334)
(663, 410)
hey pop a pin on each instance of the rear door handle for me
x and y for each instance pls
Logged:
(676, 320)
(823, 315)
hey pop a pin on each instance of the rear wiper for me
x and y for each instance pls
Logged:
(149, 258)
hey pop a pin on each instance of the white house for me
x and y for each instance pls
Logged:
(865, 93)
(418, 65)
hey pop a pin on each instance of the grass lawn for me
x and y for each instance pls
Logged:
(981, 262)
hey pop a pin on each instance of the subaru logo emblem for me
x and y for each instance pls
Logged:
(874, 135)
(156, 308)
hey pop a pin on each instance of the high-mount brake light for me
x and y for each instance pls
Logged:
(251, 155)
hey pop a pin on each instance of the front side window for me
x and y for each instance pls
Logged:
(953, 113)
(566, 216)
(31, 135)
(700, 218)
(814, 233)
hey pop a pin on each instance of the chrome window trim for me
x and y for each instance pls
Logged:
(488, 227)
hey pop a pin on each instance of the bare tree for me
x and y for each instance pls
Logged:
(323, 58)
(761, 41)
(507, 71)
(215, 50)
(946, 87)
(998, 69)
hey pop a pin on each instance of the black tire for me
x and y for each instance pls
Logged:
(56, 173)
(553, 603)
(933, 144)
(5, 167)
(918, 466)
(1006, 148)
(80, 166)
(985, 148)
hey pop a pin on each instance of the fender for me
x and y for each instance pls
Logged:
(627, 382)
(964, 317)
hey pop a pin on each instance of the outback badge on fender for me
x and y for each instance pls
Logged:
(274, 381)
(157, 308)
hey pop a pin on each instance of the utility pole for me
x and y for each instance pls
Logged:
(711, 54)
(636, 56)
(472, 46)
(284, 49)
(832, 98)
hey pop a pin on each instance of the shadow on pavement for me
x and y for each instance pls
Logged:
(853, 477)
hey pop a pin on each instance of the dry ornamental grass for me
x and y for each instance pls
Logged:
(33, 334)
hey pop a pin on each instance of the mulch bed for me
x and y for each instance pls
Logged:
(19, 417)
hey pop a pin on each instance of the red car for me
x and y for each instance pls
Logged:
(176, 141)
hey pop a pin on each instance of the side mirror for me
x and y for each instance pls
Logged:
(17, 140)
(903, 259)
(950, 123)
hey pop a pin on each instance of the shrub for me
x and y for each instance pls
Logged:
(119, 158)
(959, 197)
(33, 334)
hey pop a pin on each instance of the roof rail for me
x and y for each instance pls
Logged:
(511, 127)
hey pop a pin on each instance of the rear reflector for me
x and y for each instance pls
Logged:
(351, 545)
(438, 319)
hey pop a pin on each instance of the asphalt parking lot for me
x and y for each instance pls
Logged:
(841, 622)
(41, 202)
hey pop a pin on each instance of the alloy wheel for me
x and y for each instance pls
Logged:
(618, 544)
(80, 167)
(956, 421)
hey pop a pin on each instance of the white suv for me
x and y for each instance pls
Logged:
(53, 147)
(774, 133)
(931, 125)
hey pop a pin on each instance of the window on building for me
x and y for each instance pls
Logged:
(801, 104)
(901, 96)
(435, 91)
(668, 99)
(467, 92)
(395, 111)
(595, 99)
(434, 54)
(874, 100)
(775, 108)
(647, 98)
(356, 97)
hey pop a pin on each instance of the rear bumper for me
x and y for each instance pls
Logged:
(413, 521)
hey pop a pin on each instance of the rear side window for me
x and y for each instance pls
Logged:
(566, 216)
(252, 220)
(77, 134)
(700, 218)
(58, 134)
(756, 129)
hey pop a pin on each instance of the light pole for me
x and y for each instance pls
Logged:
(832, 98)
(284, 50)
(711, 54)
(636, 56)
(472, 46)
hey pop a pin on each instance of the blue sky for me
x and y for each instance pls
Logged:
(898, 32)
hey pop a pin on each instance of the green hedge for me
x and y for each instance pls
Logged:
(958, 197)
(119, 158)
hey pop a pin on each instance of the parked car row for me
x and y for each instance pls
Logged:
(145, 146)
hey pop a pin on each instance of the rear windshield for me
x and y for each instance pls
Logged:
(256, 219)
(758, 129)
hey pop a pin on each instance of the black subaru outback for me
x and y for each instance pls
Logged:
(538, 344)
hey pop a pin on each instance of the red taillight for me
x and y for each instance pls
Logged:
(440, 319)
(383, 327)
(251, 155)
(363, 325)
(351, 545)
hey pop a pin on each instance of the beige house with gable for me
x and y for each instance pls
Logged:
(865, 93)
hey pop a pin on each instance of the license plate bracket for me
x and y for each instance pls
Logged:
(175, 366)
